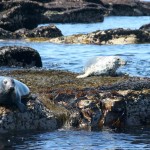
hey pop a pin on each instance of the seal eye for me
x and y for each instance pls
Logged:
(5, 82)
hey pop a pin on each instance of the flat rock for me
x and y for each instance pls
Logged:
(107, 37)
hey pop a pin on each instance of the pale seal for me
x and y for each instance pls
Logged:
(12, 91)
(102, 65)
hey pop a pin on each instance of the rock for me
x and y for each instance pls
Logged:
(127, 7)
(4, 34)
(80, 15)
(16, 14)
(107, 37)
(134, 96)
(122, 105)
(20, 14)
(145, 27)
(95, 103)
(50, 31)
(37, 117)
(19, 56)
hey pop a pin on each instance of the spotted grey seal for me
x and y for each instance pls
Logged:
(12, 91)
(102, 65)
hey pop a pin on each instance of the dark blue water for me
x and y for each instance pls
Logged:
(72, 58)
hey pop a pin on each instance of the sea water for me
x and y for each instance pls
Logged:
(72, 57)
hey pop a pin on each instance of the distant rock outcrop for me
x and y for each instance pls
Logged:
(127, 7)
(20, 14)
(16, 14)
(112, 36)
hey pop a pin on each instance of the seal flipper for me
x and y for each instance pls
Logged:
(20, 105)
(86, 74)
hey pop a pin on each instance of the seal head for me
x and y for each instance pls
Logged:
(12, 91)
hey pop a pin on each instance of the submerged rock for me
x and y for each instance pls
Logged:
(107, 37)
(19, 56)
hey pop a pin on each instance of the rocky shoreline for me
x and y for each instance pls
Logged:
(62, 100)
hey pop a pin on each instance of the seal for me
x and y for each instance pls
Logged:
(102, 65)
(12, 91)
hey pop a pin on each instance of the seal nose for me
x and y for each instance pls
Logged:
(123, 62)
(11, 88)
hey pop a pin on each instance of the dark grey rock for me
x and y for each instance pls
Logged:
(145, 27)
(19, 56)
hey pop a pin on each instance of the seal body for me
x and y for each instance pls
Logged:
(102, 65)
(12, 91)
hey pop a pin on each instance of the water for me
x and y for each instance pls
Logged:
(109, 23)
(81, 140)
(72, 58)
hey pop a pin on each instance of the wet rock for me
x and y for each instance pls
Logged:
(19, 56)
(107, 37)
